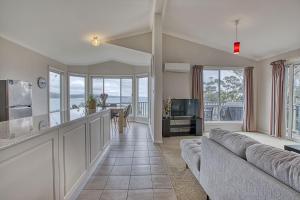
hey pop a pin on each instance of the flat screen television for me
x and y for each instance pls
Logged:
(184, 107)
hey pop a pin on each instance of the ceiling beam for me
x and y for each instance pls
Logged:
(159, 7)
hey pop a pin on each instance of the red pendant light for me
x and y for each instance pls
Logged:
(236, 48)
(236, 44)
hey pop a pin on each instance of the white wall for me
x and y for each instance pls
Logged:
(19, 63)
(264, 78)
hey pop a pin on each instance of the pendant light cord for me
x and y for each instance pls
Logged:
(236, 29)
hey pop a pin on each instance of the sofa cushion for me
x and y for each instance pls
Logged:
(282, 165)
(217, 134)
(191, 152)
(186, 142)
(234, 142)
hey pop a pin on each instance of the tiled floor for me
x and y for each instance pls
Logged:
(134, 169)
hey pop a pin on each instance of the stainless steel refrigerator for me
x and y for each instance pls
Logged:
(15, 99)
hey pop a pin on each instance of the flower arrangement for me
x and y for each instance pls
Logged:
(91, 102)
(103, 98)
(167, 107)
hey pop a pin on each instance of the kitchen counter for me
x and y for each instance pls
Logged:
(54, 154)
(15, 131)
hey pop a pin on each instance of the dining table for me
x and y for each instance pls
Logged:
(121, 122)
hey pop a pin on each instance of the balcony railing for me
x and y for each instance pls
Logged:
(229, 111)
(142, 109)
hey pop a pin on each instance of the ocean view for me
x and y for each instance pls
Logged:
(55, 102)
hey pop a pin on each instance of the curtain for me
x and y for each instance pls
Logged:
(197, 89)
(277, 98)
(248, 103)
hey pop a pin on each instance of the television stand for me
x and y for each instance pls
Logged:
(182, 126)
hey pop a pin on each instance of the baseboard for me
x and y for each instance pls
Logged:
(262, 131)
(76, 190)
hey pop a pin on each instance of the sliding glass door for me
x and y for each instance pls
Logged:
(142, 103)
(293, 102)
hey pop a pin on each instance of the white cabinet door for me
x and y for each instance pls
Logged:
(95, 138)
(73, 157)
(106, 128)
(29, 170)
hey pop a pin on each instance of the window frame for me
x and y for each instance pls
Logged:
(62, 98)
(289, 87)
(219, 69)
(137, 76)
(120, 77)
(85, 76)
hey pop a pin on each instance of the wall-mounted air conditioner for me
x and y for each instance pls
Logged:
(177, 67)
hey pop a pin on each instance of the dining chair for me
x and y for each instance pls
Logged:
(114, 114)
(127, 113)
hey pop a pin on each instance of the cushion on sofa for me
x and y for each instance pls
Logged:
(282, 165)
(217, 134)
(186, 142)
(234, 142)
(191, 152)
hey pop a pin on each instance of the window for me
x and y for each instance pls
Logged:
(292, 101)
(77, 93)
(142, 96)
(126, 91)
(55, 91)
(223, 95)
(112, 87)
(119, 89)
(97, 86)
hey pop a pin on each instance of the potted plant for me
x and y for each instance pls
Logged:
(91, 102)
(167, 108)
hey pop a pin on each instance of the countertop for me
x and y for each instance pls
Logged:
(15, 131)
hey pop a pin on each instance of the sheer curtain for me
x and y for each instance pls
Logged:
(248, 120)
(277, 98)
(197, 89)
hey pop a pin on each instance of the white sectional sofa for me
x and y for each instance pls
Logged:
(231, 166)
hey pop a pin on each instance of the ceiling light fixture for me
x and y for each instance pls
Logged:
(236, 44)
(95, 41)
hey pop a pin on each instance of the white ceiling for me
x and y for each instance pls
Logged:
(61, 29)
(267, 27)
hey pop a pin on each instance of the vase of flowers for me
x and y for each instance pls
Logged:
(91, 102)
(103, 98)
(167, 107)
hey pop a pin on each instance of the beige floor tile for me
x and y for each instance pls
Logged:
(146, 194)
(164, 194)
(103, 171)
(158, 170)
(140, 154)
(140, 148)
(121, 171)
(141, 161)
(117, 183)
(114, 195)
(138, 170)
(89, 195)
(96, 183)
(156, 161)
(161, 181)
(123, 161)
(154, 154)
(140, 182)
(109, 162)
